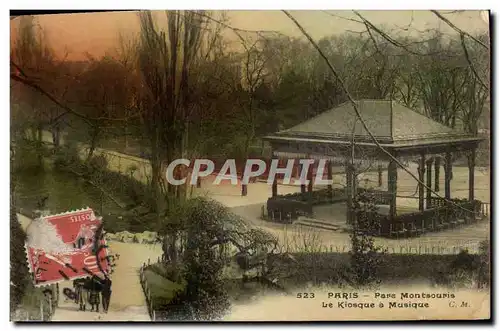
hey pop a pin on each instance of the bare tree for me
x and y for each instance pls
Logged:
(165, 61)
(103, 92)
(35, 58)
(253, 76)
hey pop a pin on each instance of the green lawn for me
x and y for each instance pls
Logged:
(162, 289)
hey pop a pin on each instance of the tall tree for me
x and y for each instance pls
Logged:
(103, 93)
(166, 59)
(31, 56)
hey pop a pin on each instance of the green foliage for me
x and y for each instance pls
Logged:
(67, 155)
(129, 191)
(202, 270)
(164, 293)
(466, 270)
(366, 257)
(464, 262)
(98, 163)
(167, 271)
(203, 221)
(27, 156)
(19, 272)
(484, 272)
(33, 298)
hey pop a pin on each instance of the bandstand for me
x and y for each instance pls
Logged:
(407, 135)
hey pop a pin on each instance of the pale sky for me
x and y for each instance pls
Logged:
(97, 32)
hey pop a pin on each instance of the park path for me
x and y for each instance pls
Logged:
(127, 301)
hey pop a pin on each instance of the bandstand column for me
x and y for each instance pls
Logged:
(421, 178)
(437, 165)
(472, 164)
(447, 176)
(429, 183)
(392, 187)
(310, 177)
(380, 170)
(244, 187)
(275, 186)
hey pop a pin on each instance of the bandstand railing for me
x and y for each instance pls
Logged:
(442, 215)
(286, 208)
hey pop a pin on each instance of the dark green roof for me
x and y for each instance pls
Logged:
(389, 121)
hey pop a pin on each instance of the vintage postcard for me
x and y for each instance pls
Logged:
(250, 166)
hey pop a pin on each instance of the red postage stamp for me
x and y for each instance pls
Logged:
(63, 247)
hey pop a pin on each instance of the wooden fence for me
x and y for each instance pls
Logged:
(147, 290)
(136, 167)
(472, 248)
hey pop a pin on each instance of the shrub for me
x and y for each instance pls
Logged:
(366, 257)
(202, 220)
(19, 272)
(98, 163)
(27, 156)
(465, 270)
(484, 272)
(464, 262)
(67, 155)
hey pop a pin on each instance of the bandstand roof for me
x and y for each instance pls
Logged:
(395, 127)
(390, 122)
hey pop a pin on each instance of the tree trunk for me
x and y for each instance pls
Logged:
(93, 144)
(39, 144)
(156, 168)
(246, 147)
(437, 166)
(126, 136)
(56, 137)
(173, 247)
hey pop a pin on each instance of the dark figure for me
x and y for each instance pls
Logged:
(94, 289)
(77, 285)
(83, 295)
(106, 293)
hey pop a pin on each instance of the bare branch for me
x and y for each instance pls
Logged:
(36, 87)
(471, 66)
(369, 25)
(457, 29)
